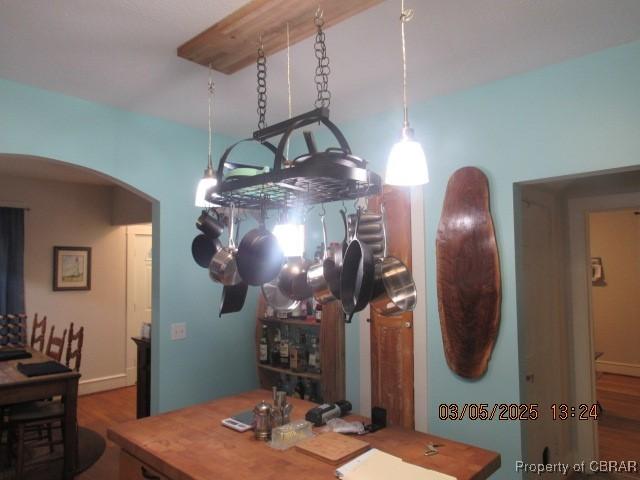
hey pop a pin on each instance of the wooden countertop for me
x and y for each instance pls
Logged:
(191, 443)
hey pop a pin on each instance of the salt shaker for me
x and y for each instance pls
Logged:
(262, 415)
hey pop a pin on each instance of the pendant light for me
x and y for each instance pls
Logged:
(290, 235)
(209, 179)
(407, 164)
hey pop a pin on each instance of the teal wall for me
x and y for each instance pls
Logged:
(578, 116)
(164, 160)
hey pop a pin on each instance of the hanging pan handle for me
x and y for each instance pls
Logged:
(225, 155)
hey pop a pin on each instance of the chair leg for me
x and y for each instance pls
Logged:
(20, 452)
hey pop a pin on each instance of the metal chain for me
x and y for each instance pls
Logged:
(322, 69)
(261, 65)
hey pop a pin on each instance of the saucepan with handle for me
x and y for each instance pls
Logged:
(322, 274)
(394, 290)
(223, 267)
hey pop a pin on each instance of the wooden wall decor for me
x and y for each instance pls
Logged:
(468, 269)
(231, 44)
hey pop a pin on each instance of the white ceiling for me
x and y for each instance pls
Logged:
(122, 52)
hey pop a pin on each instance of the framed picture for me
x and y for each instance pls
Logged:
(71, 268)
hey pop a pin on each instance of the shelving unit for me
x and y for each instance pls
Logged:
(330, 331)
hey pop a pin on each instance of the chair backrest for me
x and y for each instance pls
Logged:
(74, 352)
(38, 332)
(55, 345)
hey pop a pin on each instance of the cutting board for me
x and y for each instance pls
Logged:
(333, 448)
(468, 269)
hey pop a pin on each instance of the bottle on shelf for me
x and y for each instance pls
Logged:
(298, 391)
(294, 358)
(264, 346)
(314, 356)
(275, 349)
(301, 355)
(284, 348)
(318, 312)
(307, 389)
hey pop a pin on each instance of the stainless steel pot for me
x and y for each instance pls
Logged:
(394, 290)
(223, 267)
(277, 299)
(320, 274)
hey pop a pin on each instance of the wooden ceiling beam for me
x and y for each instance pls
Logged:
(232, 43)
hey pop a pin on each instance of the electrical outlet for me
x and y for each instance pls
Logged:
(178, 331)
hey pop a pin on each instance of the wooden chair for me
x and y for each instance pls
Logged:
(38, 332)
(74, 352)
(27, 422)
(55, 345)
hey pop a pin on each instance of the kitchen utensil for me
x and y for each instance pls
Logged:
(291, 275)
(394, 290)
(277, 299)
(211, 226)
(223, 267)
(233, 297)
(468, 268)
(321, 273)
(262, 415)
(357, 277)
(333, 448)
(203, 249)
(259, 256)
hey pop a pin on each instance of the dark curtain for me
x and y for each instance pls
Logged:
(11, 260)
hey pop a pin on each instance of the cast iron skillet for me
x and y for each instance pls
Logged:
(357, 278)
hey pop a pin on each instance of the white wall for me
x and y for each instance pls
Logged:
(67, 214)
(615, 237)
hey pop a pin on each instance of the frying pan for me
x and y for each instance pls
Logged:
(277, 299)
(223, 267)
(292, 279)
(203, 249)
(233, 297)
(357, 278)
(394, 290)
(321, 273)
(259, 256)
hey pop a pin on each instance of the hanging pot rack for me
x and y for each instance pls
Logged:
(317, 177)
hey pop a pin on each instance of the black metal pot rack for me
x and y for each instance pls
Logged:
(318, 177)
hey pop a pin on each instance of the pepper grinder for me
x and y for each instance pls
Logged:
(262, 415)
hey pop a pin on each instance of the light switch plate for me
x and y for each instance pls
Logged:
(178, 331)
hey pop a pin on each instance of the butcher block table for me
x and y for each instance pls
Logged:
(17, 388)
(192, 444)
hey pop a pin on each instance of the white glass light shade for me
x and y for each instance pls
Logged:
(407, 164)
(291, 238)
(203, 186)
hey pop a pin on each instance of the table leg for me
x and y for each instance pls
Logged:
(70, 428)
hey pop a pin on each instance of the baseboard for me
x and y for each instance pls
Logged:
(94, 385)
(619, 368)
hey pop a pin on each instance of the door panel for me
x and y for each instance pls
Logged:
(392, 337)
(139, 288)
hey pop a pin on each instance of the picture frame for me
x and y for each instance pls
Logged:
(71, 268)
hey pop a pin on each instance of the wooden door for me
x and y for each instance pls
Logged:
(392, 337)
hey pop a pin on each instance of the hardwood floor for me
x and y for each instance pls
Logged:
(99, 411)
(619, 423)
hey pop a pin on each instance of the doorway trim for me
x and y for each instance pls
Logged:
(580, 303)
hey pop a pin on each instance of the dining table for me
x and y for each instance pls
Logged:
(16, 387)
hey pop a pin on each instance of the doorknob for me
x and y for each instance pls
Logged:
(407, 324)
(529, 377)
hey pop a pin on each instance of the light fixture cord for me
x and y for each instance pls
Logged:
(211, 89)
(405, 16)
(289, 82)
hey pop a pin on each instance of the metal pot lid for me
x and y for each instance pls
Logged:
(277, 299)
